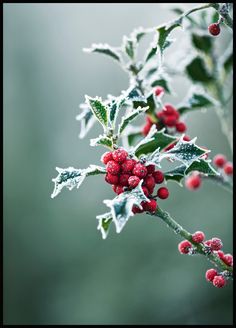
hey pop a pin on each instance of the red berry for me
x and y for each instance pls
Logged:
(112, 179)
(146, 128)
(216, 244)
(148, 120)
(158, 176)
(214, 29)
(133, 181)
(150, 168)
(123, 180)
(228, 168)
(159, 91)
(119, 189)
(170, 121)
(193, 182)
(136, 209)
(219, 160)
(140, 170)
(151, 190)
(145, 191)
(210, 274)
(119, 155)
(114, 188)
(221, 254)
(128, 165)
(219, 281)
(149, 182)
(204, 156)
(163, 193)
(184, 247)
(106, 157)
(186, 138)
(113, 167)
(170, 146)
(160, 115)
(169, 109)
(180, 127)
(150, 206)
(228, 259)
(208, 243)
(198, 237)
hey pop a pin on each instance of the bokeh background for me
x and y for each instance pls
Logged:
(57, 268)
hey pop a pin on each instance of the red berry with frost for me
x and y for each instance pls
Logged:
(159, 91)
(228, 259)
(106, 157)
(219, 160)
(163, 193)
(140, 170)
(170, 121)
(219, 281)
(145, 191)
(113, 167)
(228, 168)
(150, 206)
(193, 182)
(184, 247)
(128, 165)
(119, 155)
(214, 29)
(180, 127)
(216, 244)
(186, 138)
(136, 209)
(123, 180)
(150, 168)
(220, 254)
(133, 181)
(119, 189)
(146, 129)
(169, 109)
(210, 274)
(112, 179)
(198, 237)
(158, 176)
(149, 182)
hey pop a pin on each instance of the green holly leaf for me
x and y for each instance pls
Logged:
(203, 166)
(203, 43)
(99, 110)
(121, 206)
(163, 38)
(195, 100)
(104, 223)
(127, 119)
(71, 177)
(140, 32)
(104, 49)
(86, 119)
(163, 82)
(198, 72)
(154, 140)
(151, 53)
(102, 140)
(228, 63)
(129, 45)
(176, 174)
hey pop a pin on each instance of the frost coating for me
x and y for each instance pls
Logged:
(104, 223)
(130, 117)
(86, 119)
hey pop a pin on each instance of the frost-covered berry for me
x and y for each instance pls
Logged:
(133, 181)
(119, 155)
(184, 247)
(198, 237)
(146, 129)
(180, 127)
(193, 182)
(170, 120)
(123, 180)
(119, 189)
(111, 179)
(219, 281)
(216, 244)
(214, 29)
(158, 176)
(159, 91)
(113, 167)
(186, 138)
(149, 182)
(228, 259)
(228, 168)
(220, 254)
(128, 165)
(150, 168)
(150, 206)
(169, 109)
(219, 160)
(106, 157)
(163, 193)
(145, 191)
(136, 209)
(140, 170)
(210, 274)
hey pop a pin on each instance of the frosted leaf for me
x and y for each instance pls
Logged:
(130, 117)
(149, 137)
(129, 46)
(71, 177)
(86, 119)
(102, 140)
(99, 110)
(104, 49)
(104, 223)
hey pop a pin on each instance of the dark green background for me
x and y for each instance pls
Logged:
(57, 268)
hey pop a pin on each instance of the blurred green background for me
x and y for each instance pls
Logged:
(57, 268)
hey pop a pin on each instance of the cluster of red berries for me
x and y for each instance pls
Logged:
(168, 117)
(213, 245)
(214, 29)
(221, 162)
(125, 173)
